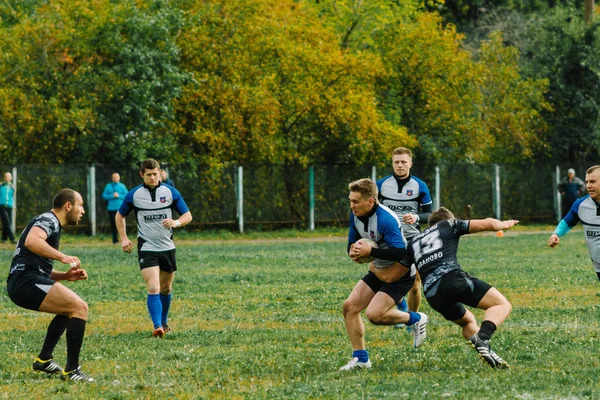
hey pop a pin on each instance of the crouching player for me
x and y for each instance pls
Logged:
(387, 280)
(447, 287)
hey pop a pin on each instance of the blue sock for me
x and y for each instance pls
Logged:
(155, 309)
(362, 355)
(414, 317)
(165, 300)
(403, 305)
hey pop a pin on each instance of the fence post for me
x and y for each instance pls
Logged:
(311, 198)
(374, 173)
(92, 198)
(240, 197)
(496, 192)
(437, 204)
(557, 196)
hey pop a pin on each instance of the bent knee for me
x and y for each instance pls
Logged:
(80, 310)
(374, 316)
(350, 308)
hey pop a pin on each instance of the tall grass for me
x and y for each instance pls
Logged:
(263, 320)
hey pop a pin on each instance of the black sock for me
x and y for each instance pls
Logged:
(55, 330)
(75, 331)
(487, 330)
(598, 273)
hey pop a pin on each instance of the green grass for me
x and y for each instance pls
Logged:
(262, 319)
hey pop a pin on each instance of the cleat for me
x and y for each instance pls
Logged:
(166, 327)
(486, 353)
(355, 364)
(76, 375)
(419, 330)
(159, 332)
(48, 366)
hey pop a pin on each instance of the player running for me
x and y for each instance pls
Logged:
(447, 287)
(154, 204)
(387, 281)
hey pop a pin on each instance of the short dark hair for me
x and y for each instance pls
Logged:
(366, 187)
(149, 163)
(63, 197)
(441, 214)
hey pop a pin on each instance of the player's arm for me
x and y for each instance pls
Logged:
(36, 243)
(182, 221)
(565, 225)
(490, 224)
(392, 234)
(426, 210)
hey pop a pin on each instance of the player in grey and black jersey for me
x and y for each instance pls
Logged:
(447, 287)
(154, 205)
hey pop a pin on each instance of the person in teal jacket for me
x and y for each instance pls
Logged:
(7, 194)
(114, 193)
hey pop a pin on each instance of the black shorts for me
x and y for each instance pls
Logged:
(165, 260)
(454, 289)
(28, 289)
(396, 290)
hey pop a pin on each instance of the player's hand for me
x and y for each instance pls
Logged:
(509, 223)
(170, 223)
(409, 218)
(72, 261)
(126, 245)
(76, 274)
(553, 240)
(360, 249)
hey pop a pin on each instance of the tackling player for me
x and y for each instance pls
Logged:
(154, 204)
(409, 198)
(586, 210)
(387, 280)
(447, 287)
(33, 284)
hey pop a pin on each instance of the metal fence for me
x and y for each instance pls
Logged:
(276, 196)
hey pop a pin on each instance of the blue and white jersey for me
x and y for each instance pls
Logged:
(152, 207)
(587, 211)
(381, 225)
(404, 196)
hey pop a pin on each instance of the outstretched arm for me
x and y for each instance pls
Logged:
(490, 224)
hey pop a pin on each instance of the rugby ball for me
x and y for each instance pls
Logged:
(370, 242)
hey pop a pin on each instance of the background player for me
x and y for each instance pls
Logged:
(387, 280)
(33, 284)
(585, 210)
(447, 287)
(154, 204)
(409, 198)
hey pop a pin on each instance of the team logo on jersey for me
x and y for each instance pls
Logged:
(163, 199)
(409, 192)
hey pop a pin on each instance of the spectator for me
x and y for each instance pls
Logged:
(164, 178)
(114, 193)
(571, 188)
(7, 194)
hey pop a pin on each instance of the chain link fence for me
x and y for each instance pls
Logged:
(277, 196)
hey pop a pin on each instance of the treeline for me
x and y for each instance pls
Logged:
(219, 82)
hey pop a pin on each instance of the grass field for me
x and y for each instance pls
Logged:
(262, 319)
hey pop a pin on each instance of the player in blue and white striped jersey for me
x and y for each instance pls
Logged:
(586, 210)
(387, 281)
(408, 196)
(154, 205)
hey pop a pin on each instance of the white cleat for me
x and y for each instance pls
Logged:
(419, 331)
(355, 364)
